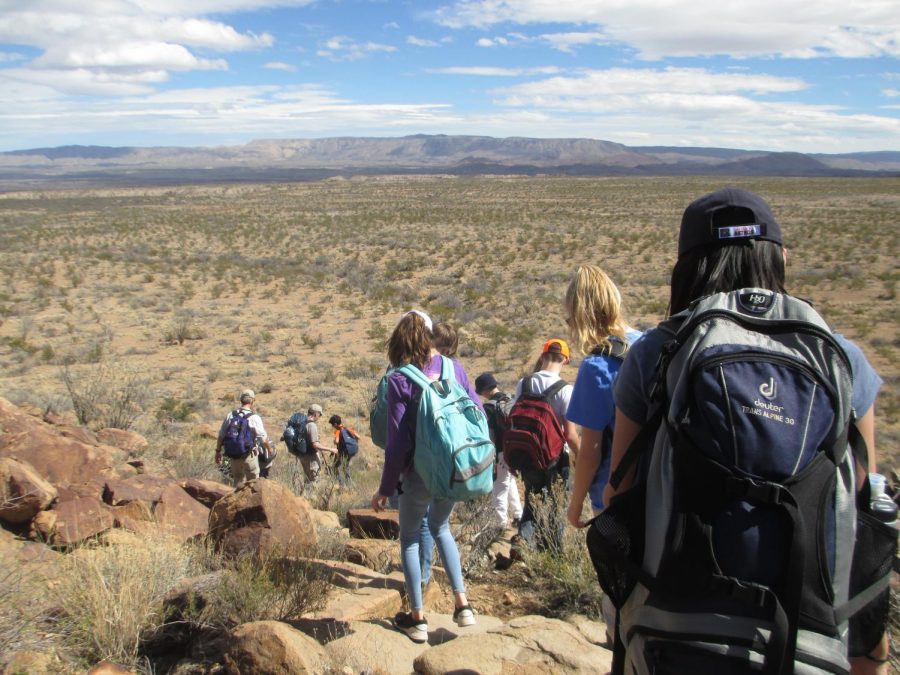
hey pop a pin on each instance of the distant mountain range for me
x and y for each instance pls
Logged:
(299, 159)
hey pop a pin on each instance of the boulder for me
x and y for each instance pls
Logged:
(367, 523)
(109, 668)
(207, 492)
(23, 492)
(272, 648)
(72, 522)
(262, 517)
(328, 520)
(28, 661)
(381, 555)
(375, 646)
(528, 644)
(181, 514)
(141, 488)
(129, 441)
(60, 459)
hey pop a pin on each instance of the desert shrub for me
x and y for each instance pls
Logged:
(107, 395)
(183, 327)
(565, 575)
(474, 530)
(271, 587)
(175, 410)
(111, 596)
(17, 617)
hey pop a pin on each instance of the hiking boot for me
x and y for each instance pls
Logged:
(417, 631)
(464, 616)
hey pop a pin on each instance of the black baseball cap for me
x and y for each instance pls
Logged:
(727, 216)
(485, 382)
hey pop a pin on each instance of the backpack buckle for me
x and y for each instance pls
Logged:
(745, 592)
(753, 490)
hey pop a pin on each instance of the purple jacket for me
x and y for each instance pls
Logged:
(401, 426)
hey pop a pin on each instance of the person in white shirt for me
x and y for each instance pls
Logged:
(245, 467)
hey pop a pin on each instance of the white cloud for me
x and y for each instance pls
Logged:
(9, 57)
(891, 93)
(343, 48)
(420, 42)
(493, 71)
(566, 42)
(660, 28)
(110, 45)
(492, 42)
(280, 65)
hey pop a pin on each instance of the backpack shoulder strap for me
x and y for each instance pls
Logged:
(616, 350)
(414, 374)
(447, 371)
(553, 389)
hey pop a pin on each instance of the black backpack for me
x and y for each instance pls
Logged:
(497, 408)
(732, 551)
(294, 435)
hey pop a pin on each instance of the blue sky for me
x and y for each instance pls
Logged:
(803, 75)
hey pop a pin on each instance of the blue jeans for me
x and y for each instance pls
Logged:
(417, 504)
(426, 541)
(539, 488)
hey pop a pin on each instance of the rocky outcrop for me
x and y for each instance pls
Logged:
(72, 522)
(142, 488)
(527, 644)
(63, 455)
(262, 517)
(23, 492)
(129, 441)
(273, 648)
(367, 523)
(180, 514)
(207, 492)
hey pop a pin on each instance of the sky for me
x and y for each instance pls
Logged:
(780, 75)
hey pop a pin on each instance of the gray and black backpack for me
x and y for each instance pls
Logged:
(732, 552)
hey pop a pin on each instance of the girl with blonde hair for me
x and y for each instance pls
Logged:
(598, 330)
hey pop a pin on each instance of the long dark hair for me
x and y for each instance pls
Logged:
(718, 269)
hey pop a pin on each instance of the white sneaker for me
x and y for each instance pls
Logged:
(464, 616)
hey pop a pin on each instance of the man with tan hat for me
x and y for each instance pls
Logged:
(312, 461)
(239, 439)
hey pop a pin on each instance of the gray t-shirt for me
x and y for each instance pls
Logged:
(312, 434)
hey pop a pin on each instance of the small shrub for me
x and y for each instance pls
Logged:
(268, 588)
(109, 395)
(175, 410)
(568, 582)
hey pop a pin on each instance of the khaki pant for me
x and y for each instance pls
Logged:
(244, 469)
(311, 466)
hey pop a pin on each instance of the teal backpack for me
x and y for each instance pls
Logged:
(454, 453)
(378, 417)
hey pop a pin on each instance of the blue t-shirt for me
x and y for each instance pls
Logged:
(591, 406)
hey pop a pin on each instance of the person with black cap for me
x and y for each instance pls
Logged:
(729, 240)
(506, 491)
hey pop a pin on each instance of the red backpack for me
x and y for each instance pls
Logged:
(534, 438)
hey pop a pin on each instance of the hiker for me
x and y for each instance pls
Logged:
(445, 339)
(312, 460)
(241, 434)
(731, 263)
(346, 442)
(378, 423)
(506, 490)
(593, 308)
(543, 460)
(410, 343)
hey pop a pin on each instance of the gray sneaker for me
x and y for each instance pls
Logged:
(417, 631)
(464, 616)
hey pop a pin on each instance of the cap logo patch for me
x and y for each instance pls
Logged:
(739, 231)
